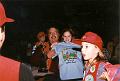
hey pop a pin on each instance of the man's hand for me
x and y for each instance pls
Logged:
(51, 53)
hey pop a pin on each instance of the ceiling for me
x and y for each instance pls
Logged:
(32, 16)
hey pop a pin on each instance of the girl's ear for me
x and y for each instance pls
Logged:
(97, 49)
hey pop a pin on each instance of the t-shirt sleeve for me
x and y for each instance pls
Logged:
(25, 73)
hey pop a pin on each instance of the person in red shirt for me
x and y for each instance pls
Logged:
(11, 70)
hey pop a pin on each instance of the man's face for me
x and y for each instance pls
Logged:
(2, 36)
(53, 35)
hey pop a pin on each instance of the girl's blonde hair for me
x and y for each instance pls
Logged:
(101, 56)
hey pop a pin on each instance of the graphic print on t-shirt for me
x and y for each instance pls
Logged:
(69, 55)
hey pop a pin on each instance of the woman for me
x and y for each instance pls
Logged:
(67, 35)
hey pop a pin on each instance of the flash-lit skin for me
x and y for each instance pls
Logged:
(2, 37)
(53, 35)
(42, 38)
(89, 51)
(67, 37)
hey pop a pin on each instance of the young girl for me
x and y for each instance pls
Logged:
(96, 66)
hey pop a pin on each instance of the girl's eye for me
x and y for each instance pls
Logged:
(86, 46)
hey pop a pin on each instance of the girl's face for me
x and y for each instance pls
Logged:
(67, 37)
(2, 36)
(89, 51)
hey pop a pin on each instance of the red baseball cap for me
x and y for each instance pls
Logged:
(3, 18)
(93, 38)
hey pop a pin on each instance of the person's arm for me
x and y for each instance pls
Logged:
(25, 73)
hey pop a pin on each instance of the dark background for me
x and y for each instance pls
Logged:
(32, 16)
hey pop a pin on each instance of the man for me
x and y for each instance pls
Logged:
(53, 36)
(11, 70)
(52, 64)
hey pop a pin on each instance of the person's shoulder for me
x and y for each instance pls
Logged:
(24, 66)
(103, 64)
(26, 73)
(6, 59)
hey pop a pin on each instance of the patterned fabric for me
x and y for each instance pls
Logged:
(90, 73)
(94, 74)
(70, 61)
(112, 70)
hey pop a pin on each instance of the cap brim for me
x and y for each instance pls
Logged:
(6, 20)
(9, 20)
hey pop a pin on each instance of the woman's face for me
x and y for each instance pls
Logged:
(67, 37)
(89, 51)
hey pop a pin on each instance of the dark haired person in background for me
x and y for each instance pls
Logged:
(39, 52)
